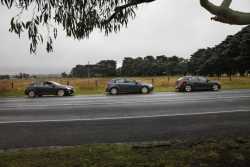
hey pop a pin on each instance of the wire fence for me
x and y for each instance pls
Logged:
(100, 83)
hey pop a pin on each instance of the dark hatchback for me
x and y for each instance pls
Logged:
(194, 83)
(48, 88)
(123, 85)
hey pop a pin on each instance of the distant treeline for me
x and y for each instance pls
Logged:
(147, 66)
(18, 76)
(102, 69)
(232, 56)
(150, 66)
(229, 57)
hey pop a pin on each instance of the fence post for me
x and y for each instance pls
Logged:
(153, 81)
(96, 84)
(12, 84)
(68, 83)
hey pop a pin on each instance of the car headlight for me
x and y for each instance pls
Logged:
(150, 85)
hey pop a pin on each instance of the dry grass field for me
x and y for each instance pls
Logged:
(97, 85)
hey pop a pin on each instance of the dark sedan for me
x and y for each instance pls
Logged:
(48, 88)
(122, 85)
(192, 83)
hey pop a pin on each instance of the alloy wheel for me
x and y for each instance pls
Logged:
(114, 91)
(60, 93)
(188, 88)
(144, 90)
(215, 87)
(31, 93)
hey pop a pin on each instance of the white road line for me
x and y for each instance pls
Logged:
(125, 117)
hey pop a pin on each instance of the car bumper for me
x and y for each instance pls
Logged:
(70, 92)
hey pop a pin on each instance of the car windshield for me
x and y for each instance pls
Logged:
(203, 79)
(119, 81)
(53, 83)
(180, 79)
(186, 78)
(35, 84)
(129, 81)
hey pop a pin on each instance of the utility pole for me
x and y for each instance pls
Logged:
(88, 70)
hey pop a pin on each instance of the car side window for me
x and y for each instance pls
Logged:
(47, 84)
(119, 81)
(186, 78)
(194, 79)
(129, 81)
(202, 79)
(33, 85)
(36, 84)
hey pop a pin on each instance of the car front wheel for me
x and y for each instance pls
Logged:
(60, 93)
(31, 94)
(215, 87)
(144, 90)
(114, 91)
(188, 88)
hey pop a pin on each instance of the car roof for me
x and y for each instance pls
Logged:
(188, 77)
(184, 77)
(116, 79)
(42, 82)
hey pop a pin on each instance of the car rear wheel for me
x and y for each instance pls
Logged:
(215, 87)
(60, 93)
(188, 88)
(31, 94)
(144, 90)
(114, 91)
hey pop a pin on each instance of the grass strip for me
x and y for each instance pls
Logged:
(226, 152)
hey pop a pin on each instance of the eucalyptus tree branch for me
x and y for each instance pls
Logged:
(226, 3)
(122, 7)
(79, 18)
(225, 14)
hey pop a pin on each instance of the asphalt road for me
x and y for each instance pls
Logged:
(60, 121)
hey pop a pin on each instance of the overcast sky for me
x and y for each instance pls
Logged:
(166, 27)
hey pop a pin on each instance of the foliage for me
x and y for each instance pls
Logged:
(150, 66)
(64, 75)
(147, 66)
(4, 77)
(104, 68)
(229, 57)
(77, 17)
(23, 76)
